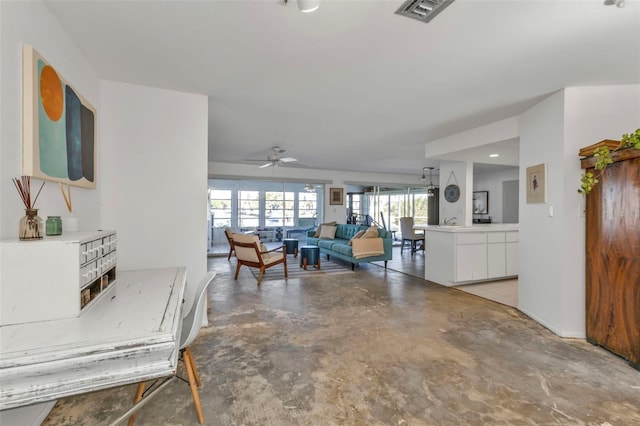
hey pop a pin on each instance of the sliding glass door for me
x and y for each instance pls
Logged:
(272, 209)
(386, 206)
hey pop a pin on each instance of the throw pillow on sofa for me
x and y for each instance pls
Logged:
(317, 234)
(358, 235)
(372, 232)
(328, 232)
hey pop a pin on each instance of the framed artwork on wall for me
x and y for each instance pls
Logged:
(480, 202)
(59, 126)
(336, 196)
(537, 184)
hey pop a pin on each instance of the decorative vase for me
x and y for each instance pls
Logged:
(53, 225)
(31, 225)
(71, 224)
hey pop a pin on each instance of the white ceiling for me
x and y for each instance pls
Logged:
(353, 86)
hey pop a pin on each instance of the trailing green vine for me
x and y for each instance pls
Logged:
(632, 139)
(603, 157)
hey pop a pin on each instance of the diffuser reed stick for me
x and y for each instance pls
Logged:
(67, 196)
(23, 185)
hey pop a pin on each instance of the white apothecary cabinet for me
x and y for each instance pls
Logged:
(55, 277)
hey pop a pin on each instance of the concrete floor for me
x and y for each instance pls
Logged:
(376, 347)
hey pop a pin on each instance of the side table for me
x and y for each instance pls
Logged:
(309, 256)
(291, 246)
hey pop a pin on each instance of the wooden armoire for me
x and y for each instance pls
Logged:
(613, 254)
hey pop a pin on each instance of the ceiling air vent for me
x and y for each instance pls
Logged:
(423, 10)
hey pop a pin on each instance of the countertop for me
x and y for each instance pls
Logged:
(480, 227)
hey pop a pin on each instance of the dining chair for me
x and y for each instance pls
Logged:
(191, 323)
(250, 252)
(409, 234)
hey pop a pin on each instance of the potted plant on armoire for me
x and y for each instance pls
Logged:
(611, 185)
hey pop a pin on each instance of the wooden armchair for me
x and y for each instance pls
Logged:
(250, 252)
(229, 235)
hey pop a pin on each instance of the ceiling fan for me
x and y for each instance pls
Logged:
(276, 159)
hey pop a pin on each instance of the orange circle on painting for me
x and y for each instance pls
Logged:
(51, 93)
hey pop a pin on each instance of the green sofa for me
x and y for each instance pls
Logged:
(340, 248)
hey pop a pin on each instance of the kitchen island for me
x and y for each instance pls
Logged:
(457, 255)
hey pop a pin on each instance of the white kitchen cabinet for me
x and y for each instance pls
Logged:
(471, 257)
(496, 255)
(56, 277)
(466, 254)
(511, 253)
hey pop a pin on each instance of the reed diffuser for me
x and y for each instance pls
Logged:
(31, 225)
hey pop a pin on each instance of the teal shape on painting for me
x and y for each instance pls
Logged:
(52, 140)
(73, 111)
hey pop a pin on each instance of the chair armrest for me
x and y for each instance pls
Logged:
(272, 250)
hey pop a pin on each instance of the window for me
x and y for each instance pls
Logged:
(220, 207)
(395, 204)
(248, 209)
(354, 207)
(307, 204)
(262, 205)
(279, 208)
(420, 209)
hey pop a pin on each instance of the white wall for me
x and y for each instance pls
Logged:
(32, 23)
(551, 268)
(155, 177)
(463, 177)
(498, 131)
(492, 182)
(152, 152)
(541, 240)
(591, 115)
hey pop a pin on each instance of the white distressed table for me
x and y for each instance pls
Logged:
(130, 335)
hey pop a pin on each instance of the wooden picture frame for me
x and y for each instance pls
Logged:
(537, 184)
(480, 202)
(336, 196)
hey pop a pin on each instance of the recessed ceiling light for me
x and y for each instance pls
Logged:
(494, 155)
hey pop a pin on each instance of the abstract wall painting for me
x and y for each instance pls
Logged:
(59, 126)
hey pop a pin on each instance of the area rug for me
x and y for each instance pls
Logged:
(327, 267)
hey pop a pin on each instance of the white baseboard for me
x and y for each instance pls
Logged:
(565, 334)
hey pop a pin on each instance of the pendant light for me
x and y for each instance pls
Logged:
(431, 187)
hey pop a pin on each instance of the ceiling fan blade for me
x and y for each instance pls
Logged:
(288, 159)
(270, 163)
